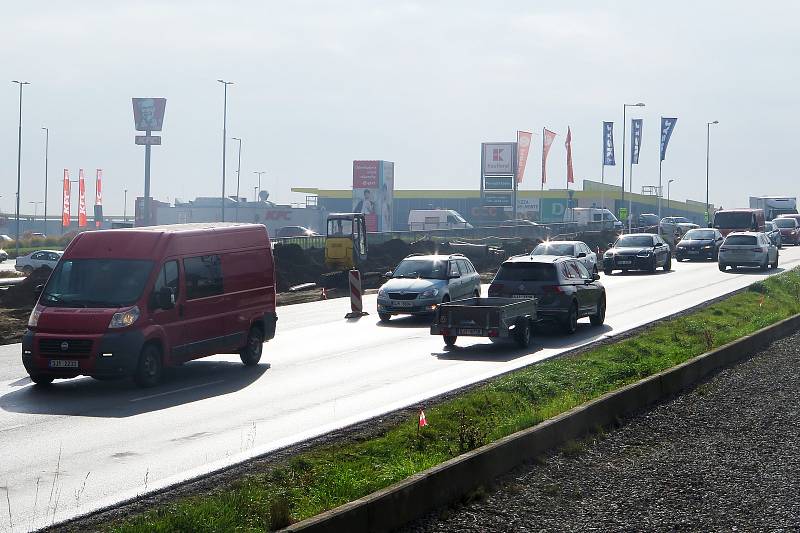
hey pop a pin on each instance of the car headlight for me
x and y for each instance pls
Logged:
(123, 319)
(609, 254)
(430, 293)
(381, 293)
(33, 320)
(707, 247)
(646, 253)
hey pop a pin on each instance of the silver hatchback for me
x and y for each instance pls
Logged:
(751, 249)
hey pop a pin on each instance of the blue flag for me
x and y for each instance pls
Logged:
(667, 125)
(608, 144)
(636, 139)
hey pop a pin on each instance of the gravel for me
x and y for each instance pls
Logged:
(724, 456)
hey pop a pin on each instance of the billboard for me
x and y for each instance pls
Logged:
(499, 159)
(373, 193)
(148, 113)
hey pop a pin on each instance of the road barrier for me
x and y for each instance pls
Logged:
(356, 300)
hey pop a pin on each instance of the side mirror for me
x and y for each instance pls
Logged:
(165, 298)
(595, 276)
(388, 274)
(454, 275)
(582, 254)
(37, 291)
(610, 245)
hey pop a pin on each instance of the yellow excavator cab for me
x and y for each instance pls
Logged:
(346, 241)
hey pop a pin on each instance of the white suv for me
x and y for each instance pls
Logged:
(746, 248)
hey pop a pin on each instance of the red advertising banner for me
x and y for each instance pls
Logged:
(568, 144)
(547, 140)
(523, 147)
(98, 194)
(365, 174)
(65, 215)
(365, 191)
(81, 200)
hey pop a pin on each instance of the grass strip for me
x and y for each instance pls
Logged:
(329, 476)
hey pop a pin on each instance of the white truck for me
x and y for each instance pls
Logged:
(774, 206)
(431, 219)
(594, 216)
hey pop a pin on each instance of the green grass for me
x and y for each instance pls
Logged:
(329, 476)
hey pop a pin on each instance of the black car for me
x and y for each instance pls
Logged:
(638, 251)
(564, 290)
(701, 243)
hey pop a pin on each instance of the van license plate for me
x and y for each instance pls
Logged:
(61, 363)
(470, 331)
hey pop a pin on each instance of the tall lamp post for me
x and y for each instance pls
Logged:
(224, 138)
(238, 172)
(35, 210)
(19, 157)
(708, 150)
(125, 206)
(259, 172)
(624, 131)
(46, 157)
(255, 194)
(668, 205)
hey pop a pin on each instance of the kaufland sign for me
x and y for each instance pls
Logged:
(498, 159)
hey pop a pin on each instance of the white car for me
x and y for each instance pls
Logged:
(577, 249)
(32, 261)
(748, 248)
(3, 255)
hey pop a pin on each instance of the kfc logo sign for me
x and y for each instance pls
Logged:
(278, 215)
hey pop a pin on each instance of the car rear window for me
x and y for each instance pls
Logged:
(741, 240)
(526, 272)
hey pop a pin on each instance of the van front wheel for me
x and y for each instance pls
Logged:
(251, 354)
(150, 368)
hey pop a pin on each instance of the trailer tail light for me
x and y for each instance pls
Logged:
(444, 331)
(494, 333)
(495, 289)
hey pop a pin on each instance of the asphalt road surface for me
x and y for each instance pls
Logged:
(83, 444)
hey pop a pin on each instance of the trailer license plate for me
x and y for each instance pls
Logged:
(475, 332)
(521, 296)
(402, 303)
(61, 363)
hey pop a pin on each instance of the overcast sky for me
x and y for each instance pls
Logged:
(318, 84)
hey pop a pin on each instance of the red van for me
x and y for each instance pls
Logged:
(730, 220)
(129, 302)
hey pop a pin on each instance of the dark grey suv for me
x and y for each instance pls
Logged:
(565, 291)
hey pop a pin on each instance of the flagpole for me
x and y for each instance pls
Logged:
(659, 187)
(630, 196)
(603, 188)
(543, 171)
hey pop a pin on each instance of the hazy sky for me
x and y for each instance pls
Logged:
(318, 84)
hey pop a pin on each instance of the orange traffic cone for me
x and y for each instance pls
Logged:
(323, 295)
(422, 420)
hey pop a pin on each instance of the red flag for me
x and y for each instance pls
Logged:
(81, 200)
(568, 144)
(547, 140)
(422, 420)
(65, 208)
(523, 147)
(98, 192)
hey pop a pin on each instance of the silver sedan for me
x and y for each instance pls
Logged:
(577, 249)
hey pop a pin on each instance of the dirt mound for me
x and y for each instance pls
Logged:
(23, 294)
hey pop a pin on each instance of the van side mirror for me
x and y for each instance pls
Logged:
(164, 298)
(582, 254)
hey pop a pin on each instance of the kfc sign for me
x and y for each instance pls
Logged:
(498, 158)
(278, 215)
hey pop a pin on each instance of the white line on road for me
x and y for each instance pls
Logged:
(177, 390)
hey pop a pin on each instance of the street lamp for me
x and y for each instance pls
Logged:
(19, 156)
(624, 130)
(259, 172)
(255, 193)
(708, 147)
(125, 206)
(224, 138)
(46, 154)
(238, 172)
(35, 210)
(668, 206)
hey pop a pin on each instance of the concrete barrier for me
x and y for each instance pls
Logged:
(444, 484)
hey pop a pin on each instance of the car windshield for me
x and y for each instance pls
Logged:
(96, 283)
(741, 240)
(421, 268)
(733, 220)
(650, 219)
(526, 272)
(785, 222)
(554, 249)
(699, 235)
(632, 241)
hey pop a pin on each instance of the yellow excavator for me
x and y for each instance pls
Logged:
(346, 241)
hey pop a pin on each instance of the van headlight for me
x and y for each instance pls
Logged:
(33, 320)
(430, 293)
(123, 319)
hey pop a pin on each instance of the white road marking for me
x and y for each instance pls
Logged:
(177, 390)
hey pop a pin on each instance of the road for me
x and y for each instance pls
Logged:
(83, 443)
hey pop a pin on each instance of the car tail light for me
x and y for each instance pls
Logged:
(555, 289)
(723, 249)
(494, 289)
(759, 250)
(494, 333)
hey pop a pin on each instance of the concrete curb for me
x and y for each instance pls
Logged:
(444, 484)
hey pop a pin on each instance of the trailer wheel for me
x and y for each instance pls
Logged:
(450, 340)
(522, 333)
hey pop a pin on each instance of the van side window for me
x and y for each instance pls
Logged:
(203, 276)
(168, 277)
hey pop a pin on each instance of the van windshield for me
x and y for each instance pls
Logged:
(96, 283)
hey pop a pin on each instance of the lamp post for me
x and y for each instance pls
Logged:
(125, 206)
(224, 138)
(255, 194)
(624, 131)
(668, 205)
(19, 158)
(46, 157)
(238, 172)
(259, 172)
(708, 149)
(35, 210)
